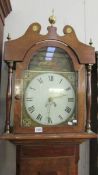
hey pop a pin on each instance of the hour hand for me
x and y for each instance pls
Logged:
(50, 102)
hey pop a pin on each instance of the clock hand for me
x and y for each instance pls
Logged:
(50, 100)
(48, 105)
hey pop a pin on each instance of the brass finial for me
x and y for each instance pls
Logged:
(90, 42)
(52, 18)
(8, 37)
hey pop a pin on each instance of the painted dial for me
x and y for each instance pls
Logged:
(49, 99)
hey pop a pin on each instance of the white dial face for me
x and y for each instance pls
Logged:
(49, 99)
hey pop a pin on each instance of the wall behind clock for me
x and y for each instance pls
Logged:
(82, 15)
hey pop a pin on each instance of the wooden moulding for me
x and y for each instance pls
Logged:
(16, 49)
(30, 138)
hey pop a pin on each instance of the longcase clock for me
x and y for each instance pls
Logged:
(49, 96)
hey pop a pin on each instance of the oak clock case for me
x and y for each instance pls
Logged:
(51, 89)
(47, 98)
(49, 93)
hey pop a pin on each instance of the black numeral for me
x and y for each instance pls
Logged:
(49, 120)
(29, 99)
(60, 117)
(69, 88)
(51, 78)
(60, 81)
(70, 99)
(39, 117)
(40, 80)
(68, 109)
(31, 109)
(32, 88)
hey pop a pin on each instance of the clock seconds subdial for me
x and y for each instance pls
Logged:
(49, 99)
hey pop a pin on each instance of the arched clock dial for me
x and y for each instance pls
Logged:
(49, 99)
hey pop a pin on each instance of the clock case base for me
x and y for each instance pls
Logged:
(47, 154)
(47, 159)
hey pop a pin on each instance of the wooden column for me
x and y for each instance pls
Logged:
(89, 95)
(9, 96)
